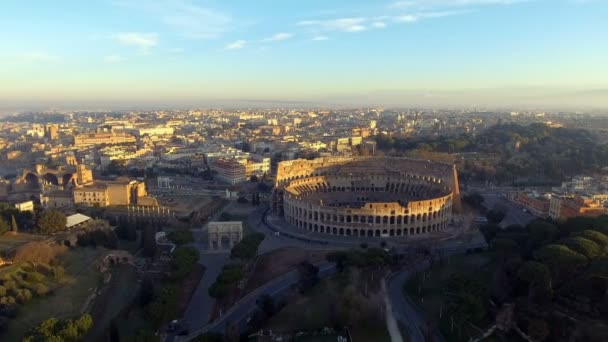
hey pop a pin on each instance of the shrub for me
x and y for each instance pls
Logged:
(7, 300)
(2, 291)
(181, 237)
(10, 284)
(35, 277)
(23, 296)
(38, 252)
(58, 272)
(41, 290)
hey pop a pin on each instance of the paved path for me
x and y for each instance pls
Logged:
(391, 323)
(201, 304)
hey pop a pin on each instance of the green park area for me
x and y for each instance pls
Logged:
(334, 303)
(60, 289)
(430, 291)
(542, 282)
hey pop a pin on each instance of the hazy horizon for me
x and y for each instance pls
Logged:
(114, 54)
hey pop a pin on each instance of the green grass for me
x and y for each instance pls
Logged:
(67, 300)
(426, 289)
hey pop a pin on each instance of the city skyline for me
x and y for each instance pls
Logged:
(121, 53)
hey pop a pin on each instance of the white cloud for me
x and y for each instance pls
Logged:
(239, 44)
(319, 38)
(378, 24)
(427, 4)
(176, 50)
(408, 18)
(111, 59)
(143, 41)
(340, 24)
(188, 19)
(278, 37)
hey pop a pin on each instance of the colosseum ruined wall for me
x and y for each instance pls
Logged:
(366, 196)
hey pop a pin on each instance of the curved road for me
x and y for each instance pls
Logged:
(245, 307)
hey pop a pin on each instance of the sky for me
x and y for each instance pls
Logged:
(346, 52)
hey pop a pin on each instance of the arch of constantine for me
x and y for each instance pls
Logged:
(366, 196)
(224, 235)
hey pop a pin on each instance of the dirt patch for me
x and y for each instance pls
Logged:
(279, 262)
(185, 204)
(113, 298)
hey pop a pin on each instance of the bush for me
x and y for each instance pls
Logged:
(58, 272)
(54, 329)
(35, 277)
(38, 252)
(2, 291)
(247, 248)
(226, 281)
(41, 290)
(23, 296)
(184, 260)
(10, 284)
(181, 237)
(7, 300)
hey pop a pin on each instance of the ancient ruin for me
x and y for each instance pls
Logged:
(366, 196)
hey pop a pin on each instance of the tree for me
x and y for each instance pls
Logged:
(56, 330)
(308, 276)
(538, 278)
(267, 305)
(538, 329)
(14, 227)
(594, 235)
(4, 227)
(38, 252)
(149, 241)
(146, 292)
(184, 260)
(586, 247)
(247, 248)
(181, 237)
(560, 259)
(51, 221)
(495, 216)
(489, 231)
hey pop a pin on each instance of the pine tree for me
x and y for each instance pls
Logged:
(14, 226)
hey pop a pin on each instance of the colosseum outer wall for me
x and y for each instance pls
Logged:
(304, 187)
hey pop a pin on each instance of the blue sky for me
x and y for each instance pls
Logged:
(395, 52)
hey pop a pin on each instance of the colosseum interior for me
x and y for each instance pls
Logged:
(366, 196)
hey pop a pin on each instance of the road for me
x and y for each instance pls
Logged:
(514, 214)
(245, 307)
(201, 304)
(403, 310)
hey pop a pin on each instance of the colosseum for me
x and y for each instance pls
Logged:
(366, 196)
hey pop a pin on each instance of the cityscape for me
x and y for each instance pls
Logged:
(176, 170)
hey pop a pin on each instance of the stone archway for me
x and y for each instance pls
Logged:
(224, 235)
